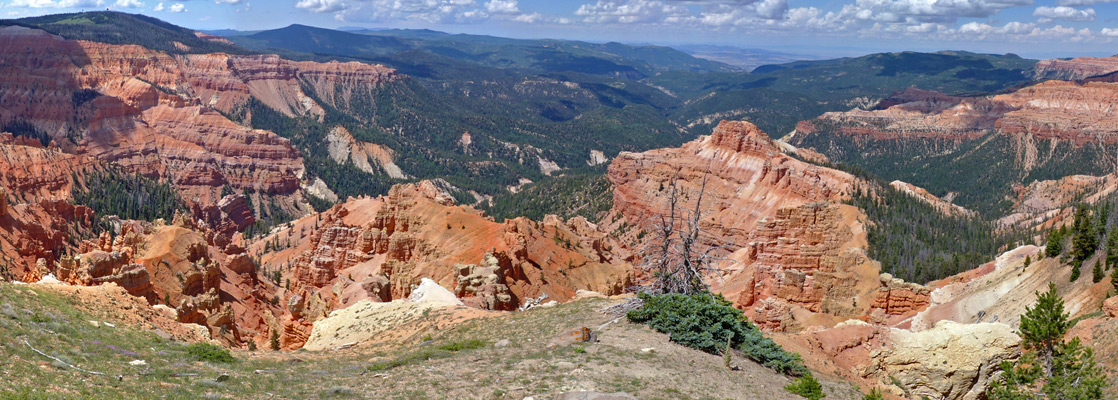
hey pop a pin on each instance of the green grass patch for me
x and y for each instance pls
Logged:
(444, 350)
(460, 345)
(209, 353)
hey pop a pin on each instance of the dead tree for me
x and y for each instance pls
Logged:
(674, 258)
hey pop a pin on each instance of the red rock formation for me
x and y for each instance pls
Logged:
(1071, 111)
(177, 266)
(940, 205)
(798, 257)
(380, 248)
(98, 267)
(810, 257)
(32, 173)
(911, 114)
(225, 219)
(1076, 68)
(33, 235)
(1079, 112)
(897, 297)
(154, 113)
(749, 179)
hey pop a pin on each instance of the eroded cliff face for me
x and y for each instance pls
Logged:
(796, 264)
(33, 235)
(30, 172)
(1076, 68)
(380, 248)
(795, 255)
(369, 157)
(804, 266)
(910, 114)
(164, 115)
(1033, 118)
(747, 178)
(179, 265)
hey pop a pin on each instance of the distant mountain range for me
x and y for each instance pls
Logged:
(745, 58)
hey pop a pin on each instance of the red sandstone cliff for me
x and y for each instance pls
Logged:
(161, 115)
(1076, 68)
(1079, 112)
(795, 254)
(380, 248)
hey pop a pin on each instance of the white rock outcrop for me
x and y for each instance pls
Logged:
(951, 361)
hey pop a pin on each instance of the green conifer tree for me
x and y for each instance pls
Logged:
(1055, 243)
(1049, 369)
(1114, 279)
(1085, 241)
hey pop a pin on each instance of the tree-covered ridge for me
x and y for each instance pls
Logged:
(917, 243)
(546, 55)
(805, 89)
(587, 194)
(126, 196)
(963, 166)
(775, 97)
(1093, 230)
(120, 28)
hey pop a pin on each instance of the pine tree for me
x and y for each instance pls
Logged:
(1050, 368)
(1112, 248)
(1044, 324)
(275, 342)
(1114, 279)
(1055, 243)
(1085, 241)
(1028, 260)
(1075, 375)
(1096, 272)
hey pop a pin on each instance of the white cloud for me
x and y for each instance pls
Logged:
(771, 9)
(177, 8)
(158, 7)
(532, 18)
(912, 15)
(919, 11)
(434, 11)
(1111, 32)
(1048, 14)
(229, 1)
(320, 6)
(129, 3)
(1078, 3)
(503, 7)
(55, 3)
(632, 11)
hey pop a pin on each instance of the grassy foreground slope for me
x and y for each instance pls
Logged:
(442, 359)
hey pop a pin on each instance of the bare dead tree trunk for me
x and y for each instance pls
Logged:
(673, 258)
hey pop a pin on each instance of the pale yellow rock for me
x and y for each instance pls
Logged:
(951, 361)
(365, 320)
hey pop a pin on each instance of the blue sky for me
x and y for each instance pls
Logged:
(1034, 28)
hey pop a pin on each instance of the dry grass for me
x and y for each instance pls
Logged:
(458, 362)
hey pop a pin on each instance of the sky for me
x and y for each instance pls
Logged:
(1031, 28)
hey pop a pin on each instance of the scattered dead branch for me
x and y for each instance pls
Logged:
(72, 366)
